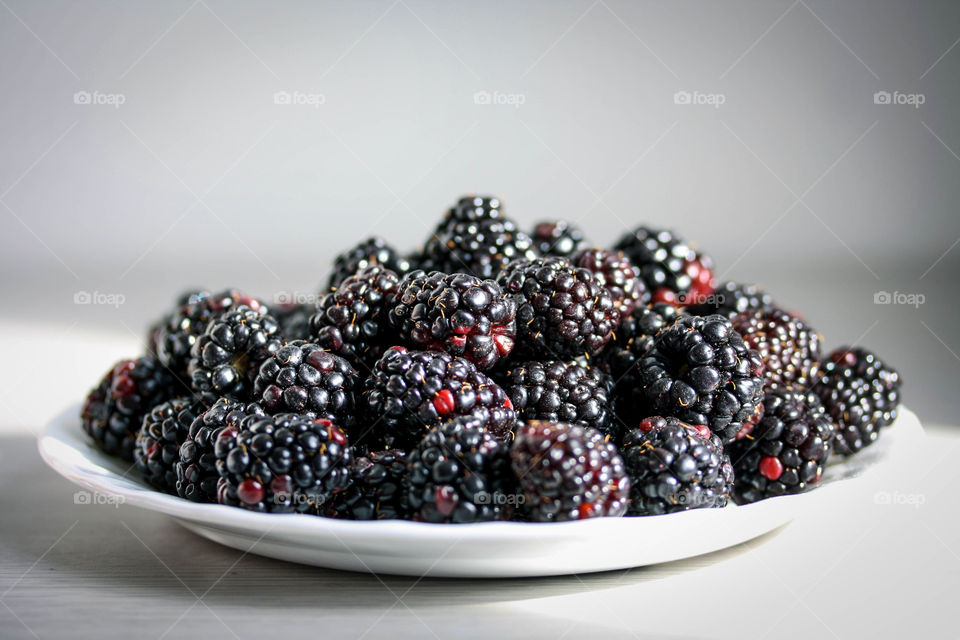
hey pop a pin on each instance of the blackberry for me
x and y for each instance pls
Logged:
(731, 299)
(674, 466)
(303, 378)
(561, 391)
(376, 491)
(790, 348)
(562, 311)
(373, 251)
(673, 271)
(480, 248)
(182, 329)
(226, 357)
(114, 409)
(196, 468)
(457, 313)
(861, 394)
(411, 391)
(635, 337)
(352, 321)
(615, 271)
(165, 427)
(285, 463)
(459, 473)
(473, 208)
(294, 319)
(701, 371)
(558, 238)
(568, 472)
(786, 451)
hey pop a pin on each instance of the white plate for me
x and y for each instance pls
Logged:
(494, 549)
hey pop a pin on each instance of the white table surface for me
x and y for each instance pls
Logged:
(856, 568)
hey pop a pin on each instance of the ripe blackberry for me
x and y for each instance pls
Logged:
(352, 321)
(861, 394)
(568, 472)
(473, 208)
(113, 410)
(701, 371)
(196, 465)
(674, 466)
(457, 313)
(373, 251)
(558, 238)
(480, 248)
(615, 271)
(182, 329)
(294, 319)
(731, 299)
(411, 391)
(561, 391)
(303, 378)
(562, 311)
(459, 473)
(165, 427)
(786, 451)
(376, 491)
(790, 348)
(673, 271)
(285, 463)
(224, 360)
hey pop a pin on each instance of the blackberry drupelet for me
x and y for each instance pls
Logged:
(352, 321)
(701, 371)
(786, 451)
(294, 320)
(558, 238)
(114, 409)
(285, 463)
(411, 391)
(731, 299)
(181, 331)
(303, 378)
(790, 348)
(373, 251)
(562, 311)
(568, 472)
(457, 313)
(196, 466)
(561, 391)
(225, 359)
(165, 427)
(622, 279)
(674, 466)
(480, 248)
(861, 394)
(673, 271)
(376, 491)
(459, 473)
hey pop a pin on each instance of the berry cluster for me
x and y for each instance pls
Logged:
(493, 374)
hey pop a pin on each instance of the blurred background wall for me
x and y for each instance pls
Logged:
(810, 146)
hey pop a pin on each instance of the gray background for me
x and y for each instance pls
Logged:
(798, 180)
